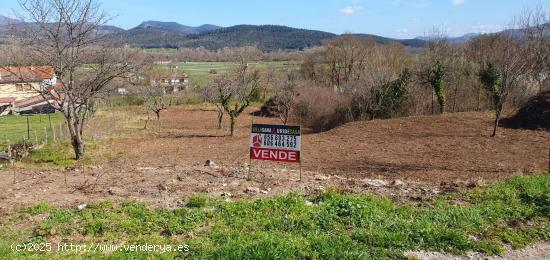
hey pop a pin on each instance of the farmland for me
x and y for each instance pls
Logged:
(402, 164)
(202, 73)
(271, 142)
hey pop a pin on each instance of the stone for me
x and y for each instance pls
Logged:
(227, 195)
(397, 183)
(375, 182)
(81, 206)
(210, 163)
(321, 178)
(162, 187)
(263, 192)
(115, 191)
(252, 190)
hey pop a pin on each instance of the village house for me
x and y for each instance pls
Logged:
(173, 84)
(21, 88)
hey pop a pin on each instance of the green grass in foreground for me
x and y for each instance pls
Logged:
(347, 226)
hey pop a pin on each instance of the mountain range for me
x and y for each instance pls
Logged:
(156, 34)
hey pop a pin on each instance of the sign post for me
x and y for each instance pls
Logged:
(279, 143)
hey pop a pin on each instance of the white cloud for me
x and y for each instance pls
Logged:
(349, 10)
(402, 30)
(458, 2)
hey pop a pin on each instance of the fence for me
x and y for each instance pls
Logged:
(32, 129)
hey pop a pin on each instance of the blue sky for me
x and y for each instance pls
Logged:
(391, 18)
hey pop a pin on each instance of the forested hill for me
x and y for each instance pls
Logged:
(265, 37)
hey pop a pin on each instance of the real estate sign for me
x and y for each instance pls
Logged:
(275, 143)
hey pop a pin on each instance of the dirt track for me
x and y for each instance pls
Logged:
(163, 168)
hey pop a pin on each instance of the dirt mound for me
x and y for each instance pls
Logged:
(535, 114)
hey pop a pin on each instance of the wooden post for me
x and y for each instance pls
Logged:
(250, 156)
(28, 129)
(46, 135)
(301, 142)
(50, 120)
(53, 135)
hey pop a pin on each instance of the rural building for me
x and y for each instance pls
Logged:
(172, 84)
(21, 88)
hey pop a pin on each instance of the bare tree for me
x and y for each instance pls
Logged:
(63, 35)
(535, 24)
(151, 86)
(211, 94)
(236, 92)
(285, 92)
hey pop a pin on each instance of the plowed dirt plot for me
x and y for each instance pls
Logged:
(165, 167)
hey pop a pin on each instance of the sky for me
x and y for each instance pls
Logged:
(390, 18)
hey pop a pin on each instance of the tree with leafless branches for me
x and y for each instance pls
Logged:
(236, 91)
(535, 24)
(64, 35)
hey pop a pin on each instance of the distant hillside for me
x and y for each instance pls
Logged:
(150, 38)
(411, 43)
(453, 40)
(155, 34)
(176, 27)
(265, 37)
(4, 20)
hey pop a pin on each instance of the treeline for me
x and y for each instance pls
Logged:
(355, 78)
(268, 38)
(226, 54)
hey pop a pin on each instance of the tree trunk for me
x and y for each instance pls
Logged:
(76, 137)
(232, 127)
(498, 112)
(433, 112)
(78, 146)
(454, 98)
(158, 118)
(147, 121)
(220, 119)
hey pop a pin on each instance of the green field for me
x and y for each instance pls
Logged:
(13, 129)
(332, 225)
(200, 76)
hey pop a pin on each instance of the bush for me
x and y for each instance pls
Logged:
(535, 114)
(322, 109)
(197, 201)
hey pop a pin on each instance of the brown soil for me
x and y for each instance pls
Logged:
(429, 154)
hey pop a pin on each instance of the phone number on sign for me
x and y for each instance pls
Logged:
(284, 141)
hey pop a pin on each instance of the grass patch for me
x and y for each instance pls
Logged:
(200, 73)
(347, 226)
(57, 155)
(13, 129)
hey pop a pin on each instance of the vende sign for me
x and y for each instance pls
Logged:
(275, 143)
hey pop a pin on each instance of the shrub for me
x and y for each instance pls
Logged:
(197, 201)
(322, 109)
